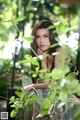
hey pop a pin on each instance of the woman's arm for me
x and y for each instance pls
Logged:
(46, 65)
(35, 86)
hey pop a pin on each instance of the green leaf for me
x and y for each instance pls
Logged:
(33, 99)
(12, 99)
(16, 104)
(20, 18)
(19, 94)
(44, 111)
(65, 68)
(63, 96)
(14, 112)
(57, 74)
(73, 84)
(51, 27)
(16, 20)
(34, 75)
(66, 49)
(37, 69)
(46, 103)
(78, 90)
(70, 76)
(42, 71)
(52, 97)
(55, 87)
(29, 39)
(54, 45)
(35, 62)
(25, 96)
(28, 58)
(77, 114)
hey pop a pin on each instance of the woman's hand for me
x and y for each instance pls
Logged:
(39, 51)
(46, 61)
(28, 88)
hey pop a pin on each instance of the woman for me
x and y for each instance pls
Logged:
(43, 39)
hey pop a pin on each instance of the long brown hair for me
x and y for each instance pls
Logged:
(44, 24)
(52, 34)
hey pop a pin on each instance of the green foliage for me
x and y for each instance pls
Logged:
(45, 106)
(22, 101)
(5, 69)
(56, 76)
(77, 115)
(14, 16)
(65, 84)
(29, 39)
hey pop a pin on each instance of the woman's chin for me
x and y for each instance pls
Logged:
(44, 49)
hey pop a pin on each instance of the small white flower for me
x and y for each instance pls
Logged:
(64, 81)
(40, 57)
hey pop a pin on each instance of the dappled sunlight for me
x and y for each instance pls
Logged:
(72, 40)
(9, 49)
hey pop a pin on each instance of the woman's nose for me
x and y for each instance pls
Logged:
(41, 39)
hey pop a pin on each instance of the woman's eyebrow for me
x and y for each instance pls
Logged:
(46, 34)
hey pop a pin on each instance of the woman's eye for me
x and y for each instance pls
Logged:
(37, 37)
(46, 36)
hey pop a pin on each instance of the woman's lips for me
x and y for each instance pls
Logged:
(42, 45)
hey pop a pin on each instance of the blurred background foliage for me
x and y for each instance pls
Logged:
(34, 10)
(16, 15)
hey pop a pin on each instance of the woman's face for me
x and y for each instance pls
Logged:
(42, 39)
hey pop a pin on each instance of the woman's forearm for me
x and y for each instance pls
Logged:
(35, 86)
(40, 85)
